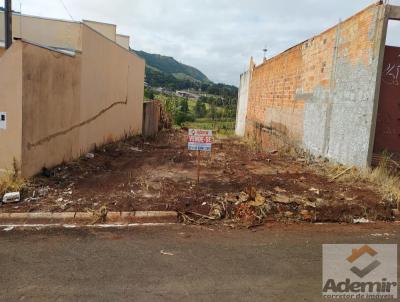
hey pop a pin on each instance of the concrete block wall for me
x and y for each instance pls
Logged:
(242, 102)
(321, 95)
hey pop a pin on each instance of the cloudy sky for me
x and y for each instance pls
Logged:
(216, 36)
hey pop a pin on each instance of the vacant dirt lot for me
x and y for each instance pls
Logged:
(236, 182)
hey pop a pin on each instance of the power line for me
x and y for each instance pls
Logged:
(66, 9)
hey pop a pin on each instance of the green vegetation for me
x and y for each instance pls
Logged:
(200, 110)
(148, 94)
(216, 108)
(228, 105)
(170, 66)
(224, 126)
(192, 113)
(166, 72)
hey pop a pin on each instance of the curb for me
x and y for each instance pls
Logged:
(84, 218)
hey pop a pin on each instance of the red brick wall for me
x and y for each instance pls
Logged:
(271, 96)
(281, 86)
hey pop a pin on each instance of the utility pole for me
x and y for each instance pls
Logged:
(8, 23)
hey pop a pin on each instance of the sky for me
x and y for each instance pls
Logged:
(216, 36)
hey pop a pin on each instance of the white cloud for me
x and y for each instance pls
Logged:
(216, 36)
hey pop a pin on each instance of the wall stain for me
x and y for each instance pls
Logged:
(66, 131)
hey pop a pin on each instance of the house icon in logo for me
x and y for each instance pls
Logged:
(356, 254)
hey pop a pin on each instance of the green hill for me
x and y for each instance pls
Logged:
(170, 66)
(166, 72)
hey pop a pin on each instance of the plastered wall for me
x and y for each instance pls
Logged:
(11, 104)
(242, 103)
(49, 32)
(322, 93)
(51, 106)
(123, 41)
(112, 79)
(73, 103)
(58, 33)
(60, 107)
(107, 30)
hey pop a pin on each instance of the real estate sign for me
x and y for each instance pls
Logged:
(200, 140)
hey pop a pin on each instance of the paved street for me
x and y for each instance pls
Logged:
(173, 263)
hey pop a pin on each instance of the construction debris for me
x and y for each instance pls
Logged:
(89, 156)
(166, 253)
(43, 192)
(12, 197)
(341, 173)
(279, 190)
(314, 190)
(361, 220)
(243, 197)
(258, 202)
(280, 198)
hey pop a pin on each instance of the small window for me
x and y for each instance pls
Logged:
(3, 117)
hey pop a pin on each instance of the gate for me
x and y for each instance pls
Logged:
(387, 135)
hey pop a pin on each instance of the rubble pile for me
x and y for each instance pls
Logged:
(252, 207)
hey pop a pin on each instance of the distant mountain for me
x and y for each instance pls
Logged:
(166, 72)
(170, 66)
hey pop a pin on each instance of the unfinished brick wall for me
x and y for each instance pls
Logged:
(321, 94)
(272, 104)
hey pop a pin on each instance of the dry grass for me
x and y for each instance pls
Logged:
(382, 177)
(11, 183)
(388, 183)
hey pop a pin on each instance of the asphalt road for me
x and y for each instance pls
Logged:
(173, 263)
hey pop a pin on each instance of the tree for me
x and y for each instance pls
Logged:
(148, 93)
(200, 109)
(213, 111)
(184, 105)
(183, 117)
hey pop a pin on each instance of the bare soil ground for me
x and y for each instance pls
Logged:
(236, 182)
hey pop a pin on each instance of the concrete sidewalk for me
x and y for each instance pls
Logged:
(88, 218)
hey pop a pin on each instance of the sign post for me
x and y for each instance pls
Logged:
(198, 167)
(199, 140)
